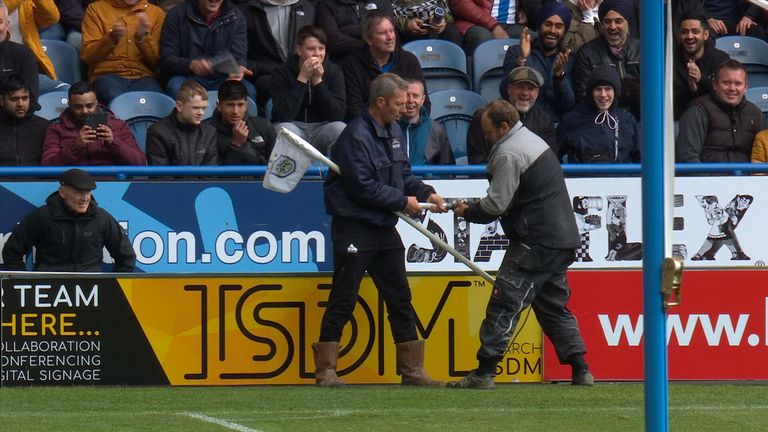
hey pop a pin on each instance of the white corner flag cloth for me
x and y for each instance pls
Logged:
(287, 164)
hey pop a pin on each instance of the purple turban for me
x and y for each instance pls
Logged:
(624, 8)
(553, 8)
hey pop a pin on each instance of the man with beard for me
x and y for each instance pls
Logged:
(720, 126)
(695, 61)
(21, 132)
(523, 94)
(70, 232)
(616, 49)
(89, 134)
(545, 56)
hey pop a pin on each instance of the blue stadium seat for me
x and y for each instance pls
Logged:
(140, 109)
(487, 66)
(213, 96)
(66, 60)
(454, 110)
(444, 64)
(52, 104)
(759, 97)
(752, 52)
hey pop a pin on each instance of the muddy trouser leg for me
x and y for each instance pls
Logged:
(513, 291)
(557, 321)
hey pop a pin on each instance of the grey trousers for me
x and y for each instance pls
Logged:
(546, 291)
(322, 135)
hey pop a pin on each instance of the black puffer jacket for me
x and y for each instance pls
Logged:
(597, 53)
(21, 140)
(172, 143)
(68, 242)
(255, 150)
(342, 21)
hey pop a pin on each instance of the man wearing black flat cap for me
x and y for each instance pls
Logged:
(614, 48)
(69, 232)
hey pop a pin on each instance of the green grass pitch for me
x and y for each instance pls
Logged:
(514, 407)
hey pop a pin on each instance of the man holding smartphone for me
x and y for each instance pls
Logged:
(88, 134)
(418, 19)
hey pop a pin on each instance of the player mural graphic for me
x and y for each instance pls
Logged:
(618, 247)
(585, 209)
(420, 254)
(724, 223)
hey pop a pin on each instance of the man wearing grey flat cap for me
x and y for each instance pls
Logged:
(523, 92)
(69, 232)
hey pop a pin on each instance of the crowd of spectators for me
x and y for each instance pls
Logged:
(574, 76)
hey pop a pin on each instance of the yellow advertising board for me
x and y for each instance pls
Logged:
(246, 331)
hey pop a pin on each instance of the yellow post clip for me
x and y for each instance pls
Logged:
(671, 279)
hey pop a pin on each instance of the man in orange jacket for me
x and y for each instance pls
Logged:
(121, 45)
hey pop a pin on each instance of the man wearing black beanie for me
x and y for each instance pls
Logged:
(615, 48)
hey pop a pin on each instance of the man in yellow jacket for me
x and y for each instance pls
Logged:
(32, 16)
(121, 46)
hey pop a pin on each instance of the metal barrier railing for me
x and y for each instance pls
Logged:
(432, 171)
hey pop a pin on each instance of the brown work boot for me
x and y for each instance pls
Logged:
(326, 354)
(410, 364)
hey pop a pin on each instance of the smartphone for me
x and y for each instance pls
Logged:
(95, 119)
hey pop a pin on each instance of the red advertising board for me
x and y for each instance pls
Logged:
(719, 332)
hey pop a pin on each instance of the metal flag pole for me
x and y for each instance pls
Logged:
(315, 154)
(653, 180)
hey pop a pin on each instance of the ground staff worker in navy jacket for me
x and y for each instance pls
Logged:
(376, 180)
(70, 232)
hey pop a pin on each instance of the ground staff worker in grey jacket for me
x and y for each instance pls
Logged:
(376, 180)
(70, 232)
(528, 195)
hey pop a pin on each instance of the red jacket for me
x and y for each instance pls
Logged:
(467, 13)
(58, 146)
